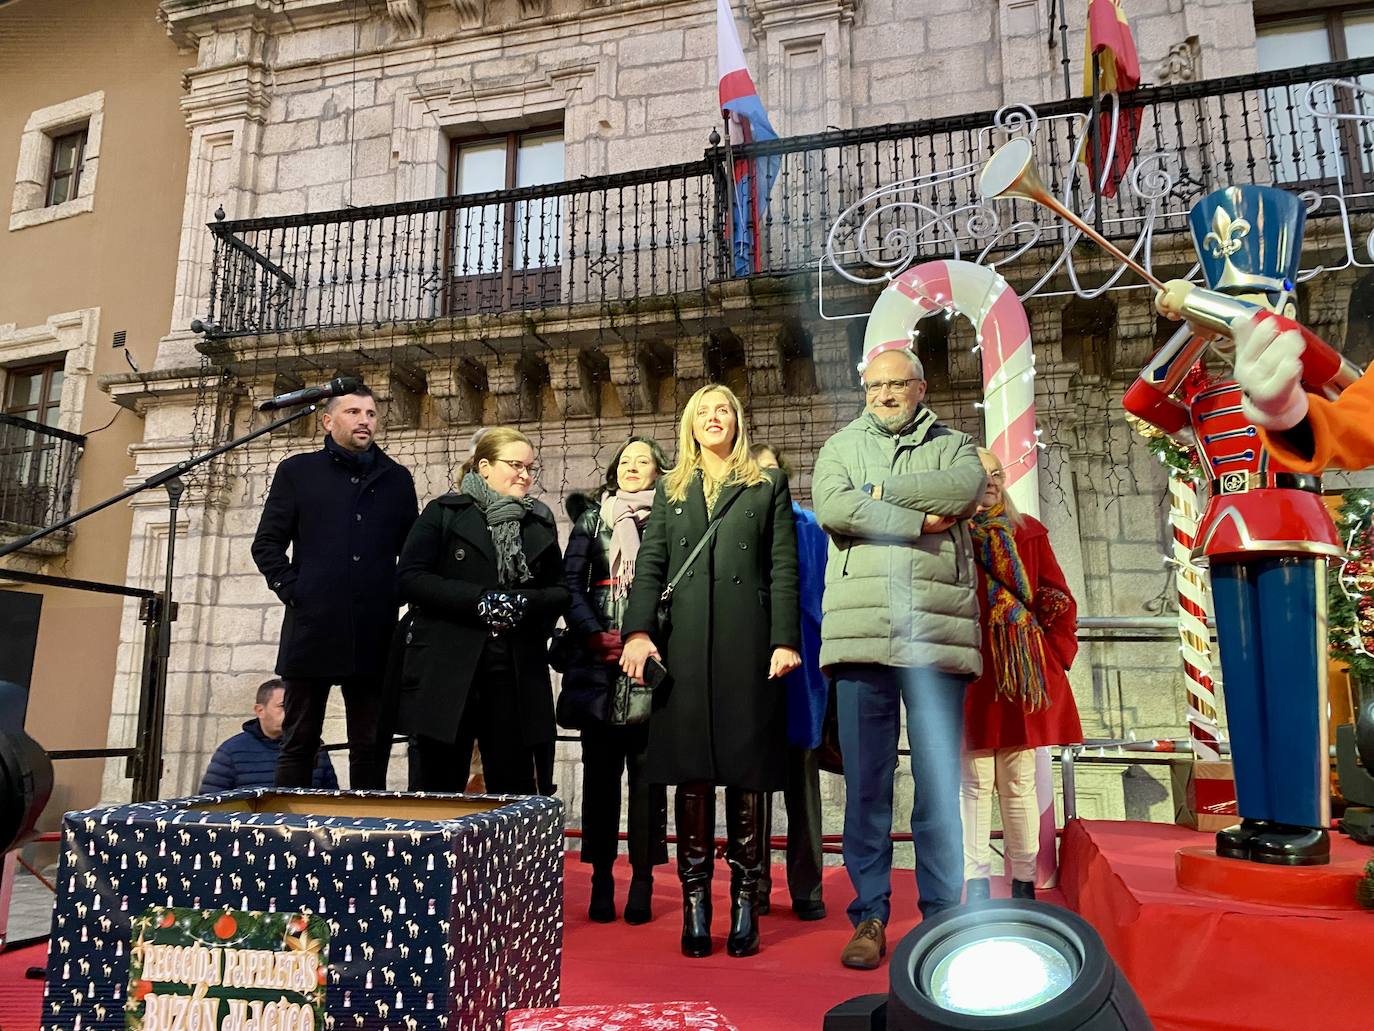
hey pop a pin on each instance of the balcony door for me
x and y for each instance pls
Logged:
(503, 254)
(1301, 146)
(30, 460)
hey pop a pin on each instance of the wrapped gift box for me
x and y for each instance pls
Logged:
(1205, 795)
(640, 1016)
(370, 909)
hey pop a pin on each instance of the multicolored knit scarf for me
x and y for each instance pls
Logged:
(1018, 644)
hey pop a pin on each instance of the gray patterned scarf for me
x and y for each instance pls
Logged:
(503, 514)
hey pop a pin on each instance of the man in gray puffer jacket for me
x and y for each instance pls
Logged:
(900, 623)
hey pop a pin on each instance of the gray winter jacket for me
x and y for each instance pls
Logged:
(894, 595)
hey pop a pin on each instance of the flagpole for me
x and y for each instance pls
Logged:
(730, 207)
(1094, 138)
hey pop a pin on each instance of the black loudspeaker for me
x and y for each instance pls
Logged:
(25, 787)
(862, 1013)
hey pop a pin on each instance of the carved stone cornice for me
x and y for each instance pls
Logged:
(530, 9)
(769, 14)
(407, 15)
(472, 14)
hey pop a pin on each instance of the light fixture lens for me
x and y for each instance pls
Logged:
(1003, 974)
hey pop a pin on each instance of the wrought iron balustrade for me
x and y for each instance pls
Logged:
(37, 473)
(873, 199)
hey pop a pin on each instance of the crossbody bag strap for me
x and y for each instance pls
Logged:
(692, 555)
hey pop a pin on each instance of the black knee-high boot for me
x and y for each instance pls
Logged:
(696, 828)
(746, 851)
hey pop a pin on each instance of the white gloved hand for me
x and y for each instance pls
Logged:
(1269, 371)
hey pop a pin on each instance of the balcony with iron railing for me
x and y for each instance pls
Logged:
(37, 474)
(863, 202)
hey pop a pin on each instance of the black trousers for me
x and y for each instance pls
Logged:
(305, 700)
(492, 718)
(802, 799)
(608, 751)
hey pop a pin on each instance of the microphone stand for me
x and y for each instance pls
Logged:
(147, 774)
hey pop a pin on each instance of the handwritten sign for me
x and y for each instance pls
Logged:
(226, 970)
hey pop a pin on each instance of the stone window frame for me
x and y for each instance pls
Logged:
(29, 206)
(71, 338)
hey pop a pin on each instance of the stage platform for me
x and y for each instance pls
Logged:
(1207, 963)
(1198, 964)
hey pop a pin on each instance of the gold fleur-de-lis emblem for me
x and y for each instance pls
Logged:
(1226, 235)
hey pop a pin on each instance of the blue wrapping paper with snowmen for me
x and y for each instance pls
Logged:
(281, 910)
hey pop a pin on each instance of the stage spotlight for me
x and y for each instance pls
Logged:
(25, 787)
(1006, 964)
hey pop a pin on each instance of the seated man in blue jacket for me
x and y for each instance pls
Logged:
(249, 759)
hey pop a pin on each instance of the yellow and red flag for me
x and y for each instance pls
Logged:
(1109, 37)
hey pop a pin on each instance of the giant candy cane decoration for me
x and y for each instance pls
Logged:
(1196, 642)
(982, 296)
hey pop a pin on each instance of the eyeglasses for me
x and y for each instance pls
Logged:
(897, 386)
(520, 468)
(997, 474)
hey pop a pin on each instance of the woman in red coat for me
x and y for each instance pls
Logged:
(1023, 699)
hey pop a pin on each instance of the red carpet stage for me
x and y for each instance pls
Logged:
(1198, 964)
(1201, 963)
(789, 985)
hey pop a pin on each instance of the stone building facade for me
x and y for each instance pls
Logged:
(325, 105)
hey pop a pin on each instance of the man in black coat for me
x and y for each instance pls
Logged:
(344, 511)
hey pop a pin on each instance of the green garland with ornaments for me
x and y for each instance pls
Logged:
(1350, 586)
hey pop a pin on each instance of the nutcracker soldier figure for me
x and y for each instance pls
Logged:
(1265, 532)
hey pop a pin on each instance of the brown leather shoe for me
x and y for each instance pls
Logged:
(867, 947)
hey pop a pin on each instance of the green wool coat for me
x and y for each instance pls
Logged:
(894, 595)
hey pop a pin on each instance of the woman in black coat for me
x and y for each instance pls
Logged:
(733, 630)
(609, 708)
(482, 573)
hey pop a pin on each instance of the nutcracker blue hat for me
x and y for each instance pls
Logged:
(1249, 238)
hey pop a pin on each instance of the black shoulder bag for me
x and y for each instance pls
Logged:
(665, 600)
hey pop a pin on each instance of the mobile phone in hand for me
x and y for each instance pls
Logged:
(654, 672)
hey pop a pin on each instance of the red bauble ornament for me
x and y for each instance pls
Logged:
(226, 926)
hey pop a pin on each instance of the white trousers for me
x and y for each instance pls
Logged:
(1012, 772)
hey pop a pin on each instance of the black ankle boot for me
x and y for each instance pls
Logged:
(745, 852)
(638, 905)
(1022, 889)
(696, 818)
(977, 889)
(602, 907)
(744, 927)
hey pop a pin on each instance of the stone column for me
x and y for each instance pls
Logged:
(226, 106)
(220, 649)
(804, 62)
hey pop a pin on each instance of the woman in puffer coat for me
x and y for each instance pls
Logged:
(610, 710)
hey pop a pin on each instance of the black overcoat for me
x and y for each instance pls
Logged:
(721, 719)
(447, 564)
(345, 527)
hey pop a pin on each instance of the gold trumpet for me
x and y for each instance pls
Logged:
(1010, 172)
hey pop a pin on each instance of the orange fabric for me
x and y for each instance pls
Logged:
(1342, 431)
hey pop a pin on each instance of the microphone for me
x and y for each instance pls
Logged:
(309, 395)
